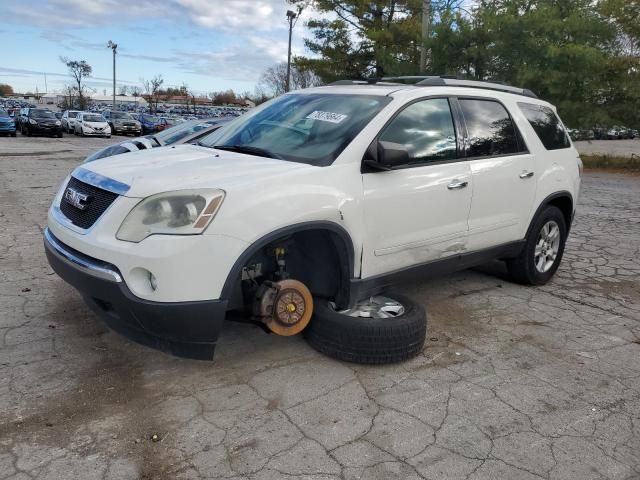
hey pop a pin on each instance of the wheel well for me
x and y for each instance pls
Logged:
(565, 204)
(319, 257)
(561, 200)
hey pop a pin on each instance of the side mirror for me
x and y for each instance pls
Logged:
(385, 155)
(392, 154)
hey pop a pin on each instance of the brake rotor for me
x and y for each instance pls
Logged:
(292, 308)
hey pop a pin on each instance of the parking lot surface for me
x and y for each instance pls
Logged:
(513, 382)
(614, 148)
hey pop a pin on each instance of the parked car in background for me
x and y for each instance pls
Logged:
(92, 124)
(69, 120)
(187, 132)
(149, 123)
(7, 125)
(123, 123)
(34, 121)
(168, 122)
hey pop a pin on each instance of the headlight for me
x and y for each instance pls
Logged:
(58, 123)
(32, 121)
(184, 212)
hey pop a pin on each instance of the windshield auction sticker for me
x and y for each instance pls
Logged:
(327, 116)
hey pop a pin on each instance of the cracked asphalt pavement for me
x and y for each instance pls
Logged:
(513, 382)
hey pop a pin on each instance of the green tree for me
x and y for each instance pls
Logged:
(366, 38)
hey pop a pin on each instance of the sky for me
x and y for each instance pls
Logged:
(210, 45)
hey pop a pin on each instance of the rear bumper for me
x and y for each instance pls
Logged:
(185, 329)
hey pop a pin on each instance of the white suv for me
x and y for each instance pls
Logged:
(315, 203)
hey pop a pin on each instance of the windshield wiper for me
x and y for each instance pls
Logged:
(249, 150)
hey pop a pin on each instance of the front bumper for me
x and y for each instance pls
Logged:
(7, 128)
(185, 329)
(127, 129)
(94, 133)
(45, 129)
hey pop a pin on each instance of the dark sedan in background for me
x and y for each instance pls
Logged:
(34, 121)
(186, 132)
(149, 123)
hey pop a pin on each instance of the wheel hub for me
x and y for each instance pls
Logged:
(547, 247)
(376, 307)
(288, 309)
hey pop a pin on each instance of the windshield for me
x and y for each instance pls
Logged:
(3, 113)
(150, 119)
(121, 116)
(177, 133)
(42, 114)
(73, 114)
(307, 128)
(93, 118)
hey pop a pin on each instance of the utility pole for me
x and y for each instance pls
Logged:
(46, 90)
(114, 47)
(291, 15)
(426, 27)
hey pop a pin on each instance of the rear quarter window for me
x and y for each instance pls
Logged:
(547, 126)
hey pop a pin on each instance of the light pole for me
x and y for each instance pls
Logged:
(291, 15)
(114, 47)
(426, 25)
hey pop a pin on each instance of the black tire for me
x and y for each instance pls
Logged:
(28, 131)
(13, 134)
(367, 340)
(522, 269)
(59, 134)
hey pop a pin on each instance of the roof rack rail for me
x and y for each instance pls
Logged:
(441, 80)
(461, 82)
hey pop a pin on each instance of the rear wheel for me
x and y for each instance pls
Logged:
(380, 329)
(543, 249)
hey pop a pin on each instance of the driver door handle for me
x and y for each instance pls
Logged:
(457, 184)
(526, 174)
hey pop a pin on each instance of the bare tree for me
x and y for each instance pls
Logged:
(274, 79)
(123, 89)
(135, 92)
(79, 70)
(151, 88)
(69, 92)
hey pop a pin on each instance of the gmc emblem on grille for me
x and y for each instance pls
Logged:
(77, 199)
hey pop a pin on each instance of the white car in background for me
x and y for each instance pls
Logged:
(68, 120)
(93, 124)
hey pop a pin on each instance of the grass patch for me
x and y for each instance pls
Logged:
(611, 162)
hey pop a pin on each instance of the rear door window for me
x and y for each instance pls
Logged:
(490, 130)
(547, 126)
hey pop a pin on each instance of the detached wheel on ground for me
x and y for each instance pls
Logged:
(543, 249)
(380, 329)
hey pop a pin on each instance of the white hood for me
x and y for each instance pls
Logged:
(180, 167)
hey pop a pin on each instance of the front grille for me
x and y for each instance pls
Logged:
(99, 200)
